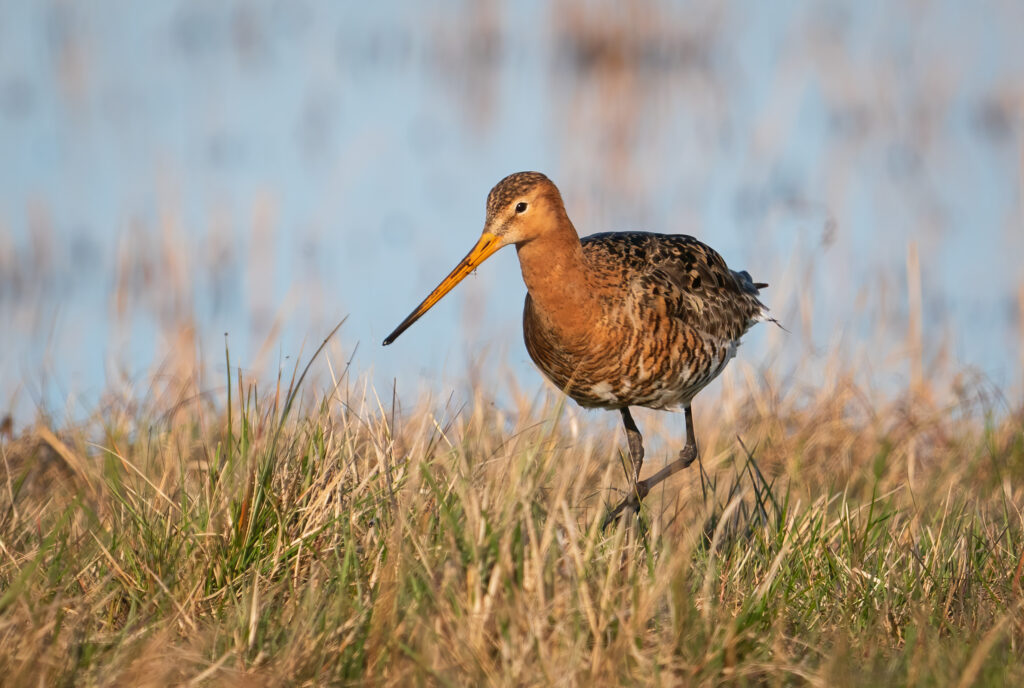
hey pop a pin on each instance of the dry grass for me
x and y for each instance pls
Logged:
(844, 539)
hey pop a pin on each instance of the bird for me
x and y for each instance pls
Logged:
(617, 319)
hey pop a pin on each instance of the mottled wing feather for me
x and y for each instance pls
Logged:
(687, 278)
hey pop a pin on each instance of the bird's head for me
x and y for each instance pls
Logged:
(520, 208)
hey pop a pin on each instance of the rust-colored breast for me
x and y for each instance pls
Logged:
(671, 315)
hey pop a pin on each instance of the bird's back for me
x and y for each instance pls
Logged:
(672, 316)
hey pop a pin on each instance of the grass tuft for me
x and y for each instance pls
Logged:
(325, 537)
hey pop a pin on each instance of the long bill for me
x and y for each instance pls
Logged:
(483, 250)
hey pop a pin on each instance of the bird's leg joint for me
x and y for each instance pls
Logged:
(687, 455)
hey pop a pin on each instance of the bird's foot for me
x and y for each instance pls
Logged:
(642, 487)
(630, 503)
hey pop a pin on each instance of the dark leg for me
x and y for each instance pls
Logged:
(636, 456)
(636, 442)
(643, 487)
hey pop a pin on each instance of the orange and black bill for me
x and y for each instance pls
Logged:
(483, 250)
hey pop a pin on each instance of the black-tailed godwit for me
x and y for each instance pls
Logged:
(617, 319)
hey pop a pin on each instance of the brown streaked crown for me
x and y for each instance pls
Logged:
(512, 187)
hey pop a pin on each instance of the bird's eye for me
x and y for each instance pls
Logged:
(520, 207)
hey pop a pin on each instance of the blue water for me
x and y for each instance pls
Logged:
(303, 162)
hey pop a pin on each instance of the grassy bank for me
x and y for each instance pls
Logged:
(830, 537)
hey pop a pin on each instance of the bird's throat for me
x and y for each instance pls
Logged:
(556, 276)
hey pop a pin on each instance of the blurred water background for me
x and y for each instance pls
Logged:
(174, 171)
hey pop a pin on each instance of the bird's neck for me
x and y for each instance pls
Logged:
(557, 278)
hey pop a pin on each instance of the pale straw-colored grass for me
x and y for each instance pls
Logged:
(829, 536)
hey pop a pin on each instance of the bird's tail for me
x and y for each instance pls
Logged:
(748, 283)
(753, 288)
